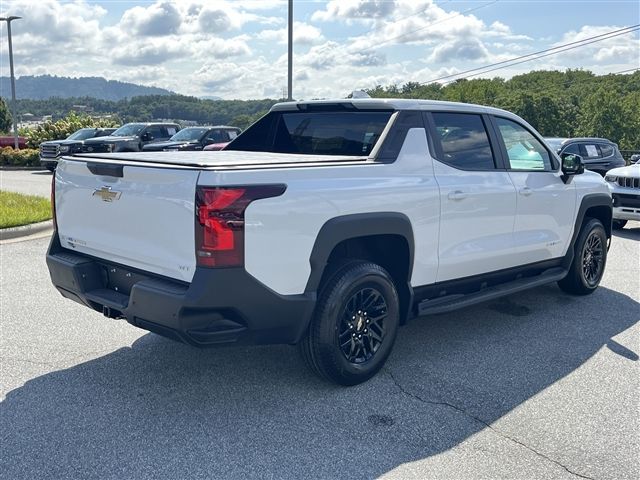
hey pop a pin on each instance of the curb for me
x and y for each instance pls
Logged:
(25, 230)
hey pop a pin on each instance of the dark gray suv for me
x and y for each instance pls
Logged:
(131, 137)
(598, 154)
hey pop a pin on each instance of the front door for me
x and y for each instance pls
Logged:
(545, 203)
(477, 199)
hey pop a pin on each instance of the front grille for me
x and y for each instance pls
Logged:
(623, 200)
(50, 151)
(629, 182)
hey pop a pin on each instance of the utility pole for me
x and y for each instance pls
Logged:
(14, 110)
(290, 74)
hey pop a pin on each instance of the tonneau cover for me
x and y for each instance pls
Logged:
(216, 159)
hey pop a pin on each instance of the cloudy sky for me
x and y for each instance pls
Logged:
(237, 49)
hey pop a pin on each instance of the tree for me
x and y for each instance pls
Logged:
(5, 116)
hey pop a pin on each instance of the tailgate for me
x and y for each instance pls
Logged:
(143, 219)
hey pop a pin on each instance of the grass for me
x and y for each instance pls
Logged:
(17, 209)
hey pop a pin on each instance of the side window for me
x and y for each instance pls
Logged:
(524, 150)
(171, 131)
(232, 134)
(574, 149)
(217, 136)
(154, 133)
(590, 150)
(463, 140)
(606, 150)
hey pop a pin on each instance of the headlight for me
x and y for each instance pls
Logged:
(64, 148)
(611, 178)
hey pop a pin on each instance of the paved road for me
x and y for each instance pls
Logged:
(31, 182)
(537, 385)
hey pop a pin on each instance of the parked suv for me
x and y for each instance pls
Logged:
(131, 137)
(598, 154)
(50, 151)
(195, 138)
(624, 184)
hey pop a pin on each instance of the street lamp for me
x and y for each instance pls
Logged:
(290, 70)
(14, 113)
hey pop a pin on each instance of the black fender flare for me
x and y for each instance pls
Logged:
(347, 227)
(588, 201)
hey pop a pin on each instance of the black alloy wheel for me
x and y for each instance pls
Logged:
(354, 325)
(589, 261)
(362, 329)
(593, 258)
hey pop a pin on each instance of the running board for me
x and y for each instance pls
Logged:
(449, 303)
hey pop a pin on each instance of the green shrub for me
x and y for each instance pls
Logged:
(27, 157)
(61, 129)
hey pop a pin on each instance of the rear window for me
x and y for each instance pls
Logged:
(315, 133)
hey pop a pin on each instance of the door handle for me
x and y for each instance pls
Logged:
(457, 195)
(526, 191)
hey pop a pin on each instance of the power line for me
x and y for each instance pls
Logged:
(406, 34)
(345, 48)
(534, 53)
(637, 27)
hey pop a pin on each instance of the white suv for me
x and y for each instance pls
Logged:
(624, 183)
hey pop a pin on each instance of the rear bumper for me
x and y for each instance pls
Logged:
(225, 305)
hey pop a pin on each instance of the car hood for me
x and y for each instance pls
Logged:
(630, 171)
(54, 142)
(109, 139)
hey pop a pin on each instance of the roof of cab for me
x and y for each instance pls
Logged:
(390, 103)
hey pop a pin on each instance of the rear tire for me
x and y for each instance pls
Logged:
(354, 325)
(589, 260)
(619, 224)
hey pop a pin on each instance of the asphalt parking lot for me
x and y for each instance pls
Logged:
(536, 385)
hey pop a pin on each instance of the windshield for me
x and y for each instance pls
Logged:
(352, 133)
(128, 130)
(188, 134)
(554, 143)
(82, 134)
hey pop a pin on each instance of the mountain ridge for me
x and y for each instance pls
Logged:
(42, 87)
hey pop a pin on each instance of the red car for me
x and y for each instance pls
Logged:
(216, 146)
(8, 141)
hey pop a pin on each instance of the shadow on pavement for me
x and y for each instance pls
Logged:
(162, 409)
(630, 231)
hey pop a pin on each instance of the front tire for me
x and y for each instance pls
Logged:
(354, 325)
(589, 260)
(619, 224)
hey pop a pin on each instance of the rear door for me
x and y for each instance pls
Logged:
(142, 217)
(545, 204)
(478, 199)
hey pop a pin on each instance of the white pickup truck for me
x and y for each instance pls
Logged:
(328, 224)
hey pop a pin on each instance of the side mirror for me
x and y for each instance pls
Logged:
(146, 136)
(571, 165)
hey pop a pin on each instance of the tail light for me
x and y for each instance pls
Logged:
(220, 222)
(53, 200)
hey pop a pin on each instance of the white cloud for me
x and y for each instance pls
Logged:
(355, 10)
(303, 34)
(159, 19)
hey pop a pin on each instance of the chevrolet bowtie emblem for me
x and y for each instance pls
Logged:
(106, 194)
